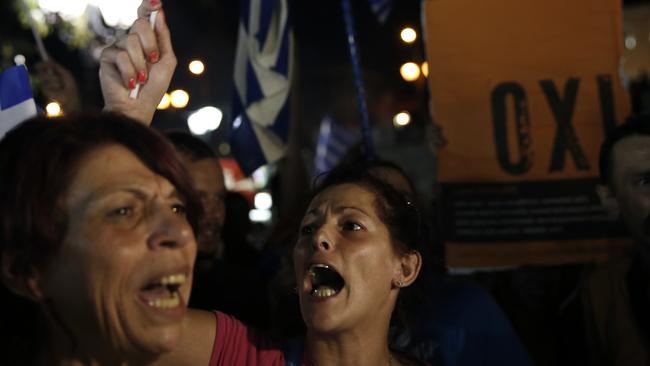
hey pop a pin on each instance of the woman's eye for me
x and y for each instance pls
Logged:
(351, 226)
(179, 209)
(306, 230)
(122, 211)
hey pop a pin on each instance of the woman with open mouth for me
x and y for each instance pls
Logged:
(357, 250)
(97, 235)
(355, 259)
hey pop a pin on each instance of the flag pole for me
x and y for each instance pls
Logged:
(37, 37)
(358, 80)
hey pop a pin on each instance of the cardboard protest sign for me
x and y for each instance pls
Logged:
(524, 93)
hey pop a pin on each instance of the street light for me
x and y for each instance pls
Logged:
(408, 35)
(204, 120)
(410, 71)
(165, 102)
(196, 67)
(53, 109)
(179, 98)
(402, 119)
(425, 69)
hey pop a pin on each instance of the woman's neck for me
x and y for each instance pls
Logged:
(63, 348)
(349, 349)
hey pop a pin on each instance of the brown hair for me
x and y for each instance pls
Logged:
(38, 160)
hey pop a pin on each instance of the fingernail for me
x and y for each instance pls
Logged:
(142, 76)
(154, 2)
(153, 56)
(131, 83)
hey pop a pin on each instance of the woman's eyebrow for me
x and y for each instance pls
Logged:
(312, 212)
(175, 194)
(344, 208)
(135, 191)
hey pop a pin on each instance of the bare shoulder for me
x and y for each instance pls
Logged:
(195, 347)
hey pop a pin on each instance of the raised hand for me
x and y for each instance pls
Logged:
(146, 57)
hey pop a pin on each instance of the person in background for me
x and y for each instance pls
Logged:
(616, 297)
(56, 83)
(205, 170)
(221, 282)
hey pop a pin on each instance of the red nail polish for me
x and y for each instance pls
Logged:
(154, 2)
(153, 56)
(131, 83)
(142, 76)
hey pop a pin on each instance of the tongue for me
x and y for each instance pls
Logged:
(156, 293)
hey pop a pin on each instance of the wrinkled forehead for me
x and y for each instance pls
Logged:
(111, 166)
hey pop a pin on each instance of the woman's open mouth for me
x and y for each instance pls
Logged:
(163, 293)
(325, 281)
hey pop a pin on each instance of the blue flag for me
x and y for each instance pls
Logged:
(16, 100)
(381, 8)
(334, 141)
(262, 79)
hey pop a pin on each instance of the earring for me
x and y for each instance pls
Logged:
(400, 283)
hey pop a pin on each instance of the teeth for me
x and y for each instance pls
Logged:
(323, 291)
(311, 268)
(172, 302)
(178, 279)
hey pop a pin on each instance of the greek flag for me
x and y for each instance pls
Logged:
(262, 79)
(16, 100)
(334, 141)
(381, 8)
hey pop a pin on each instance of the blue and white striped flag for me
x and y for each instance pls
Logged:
(16, 100)
(262, 78)
(381, 8)
(334, 141)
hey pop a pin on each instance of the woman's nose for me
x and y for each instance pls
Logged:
(322, 240)
(169, 229)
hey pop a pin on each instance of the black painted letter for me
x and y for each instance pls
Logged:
(522, 125)
(565, 135)
(606, 96)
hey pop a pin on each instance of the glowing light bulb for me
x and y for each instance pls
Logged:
(53, 109)
(402, 119)
(263, 201)
(67, 9)
(630, 42)
(410, 71)
(165, 102)
(179, 98)
(204, 120)
(117, 13)
(196, 67)
(408, 35)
